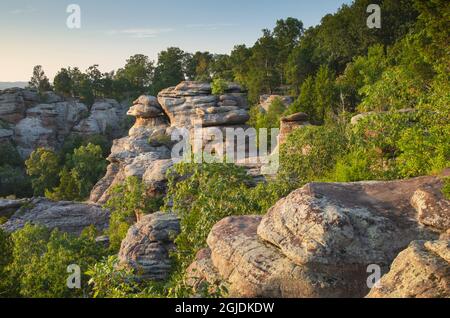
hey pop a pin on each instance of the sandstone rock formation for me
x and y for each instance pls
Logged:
(105, 117)
(147, 245)
(46, 125)
(420, 271)
(132, 156)
(14, 102)
(68, 217)
(318, 241)
(266, 100)
(289, 123)
(33, 121)
(191, 103)
(146, 152)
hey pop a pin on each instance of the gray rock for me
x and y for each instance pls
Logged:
(147, 245)
(420, 271)
(68, 217)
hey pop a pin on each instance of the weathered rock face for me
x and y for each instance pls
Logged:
(46, 125)
(68, 217)
(318, 241)
(191, 103)
(106, 117)
(420, 271)
(14, 102)
(45, 121)
(137, 154)
(266, 100)
(147, 245)
(290, 123)
(146, 152)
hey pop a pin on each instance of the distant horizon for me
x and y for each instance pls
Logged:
(112, 32)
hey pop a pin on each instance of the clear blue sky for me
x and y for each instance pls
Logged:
(35, 32)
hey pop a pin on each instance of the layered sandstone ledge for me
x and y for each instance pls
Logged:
(320, 240)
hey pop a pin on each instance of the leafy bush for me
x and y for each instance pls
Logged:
(5, 259)
(38, 266)
(43, 168)
(14, 181)
(82, 170)
(128, 202)
(310, 153)
(219, 86)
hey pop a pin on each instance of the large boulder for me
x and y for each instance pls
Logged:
(420, 271)
(70, 217)
(319, 241)
(147, 246)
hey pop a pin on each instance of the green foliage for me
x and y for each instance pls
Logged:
(108, 280)
(43, 169)
(128, 202)
(5, 259)
(38, 266)
(82, 170)
(208, 194)
(13, 179)
(39, 80)
(310, 153)
(219, 86)
(271, 118)
(446, 188)
(169, 71)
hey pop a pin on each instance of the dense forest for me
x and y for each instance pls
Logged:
(335, 70)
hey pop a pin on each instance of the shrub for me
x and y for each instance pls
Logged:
(310, 153)
(82, 170)
(128, 201)
(5, 260)
(219, 86)
(14, 181)
(40, 259)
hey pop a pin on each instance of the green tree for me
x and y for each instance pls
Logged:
(306, 100)
(138, 74)
(39, 80)
(63, 83)
(82, 170)
(198, 66)
(287, 34)
(169, 70)
(43, 168)
(325, 94)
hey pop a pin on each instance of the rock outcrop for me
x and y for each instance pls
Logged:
(139, 153)
(192, 103)
(47, 125)
(105, 117)
(32, 121)
(289, 123)
(266, 100)
(68, 217)
(420, 271)
(147, 151)
(147, 246)
(319, 240)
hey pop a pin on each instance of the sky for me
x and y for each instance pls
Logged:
(35, 32)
